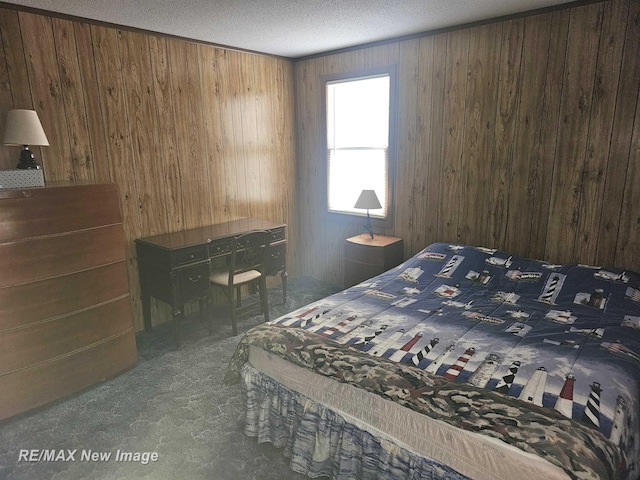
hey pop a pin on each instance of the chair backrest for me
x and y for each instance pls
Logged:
(249, 251)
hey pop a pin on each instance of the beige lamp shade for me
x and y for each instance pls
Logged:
(368, 200)
(23, 127)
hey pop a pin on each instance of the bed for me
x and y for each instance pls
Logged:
(462, 362)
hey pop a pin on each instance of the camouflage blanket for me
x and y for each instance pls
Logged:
(581, 451)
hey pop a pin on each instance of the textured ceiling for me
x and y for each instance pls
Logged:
(289, 28)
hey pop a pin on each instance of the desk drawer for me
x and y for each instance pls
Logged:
(185, 256)
(277, 260)
(193, 282)
(220, 247)
(276, 235)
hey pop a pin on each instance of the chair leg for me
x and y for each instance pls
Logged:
(238, 297)
(263, 297)
(234, 326)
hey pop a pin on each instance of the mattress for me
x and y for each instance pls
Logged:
(481, 360)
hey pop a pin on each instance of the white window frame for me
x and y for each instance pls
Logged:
(380, 218)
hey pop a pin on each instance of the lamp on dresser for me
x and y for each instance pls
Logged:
(23, 127)
(368, 200)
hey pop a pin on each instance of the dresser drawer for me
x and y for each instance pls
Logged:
(185, 256)
(193, 281)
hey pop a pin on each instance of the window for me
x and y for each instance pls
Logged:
(358, 132)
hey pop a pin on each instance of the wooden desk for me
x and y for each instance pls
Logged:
(174, 267)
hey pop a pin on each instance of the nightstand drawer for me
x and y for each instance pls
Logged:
(364, 254)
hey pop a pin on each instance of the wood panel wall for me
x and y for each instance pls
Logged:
(521, 135)
(191, 134)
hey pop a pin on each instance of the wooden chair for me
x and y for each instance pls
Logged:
(246, 265)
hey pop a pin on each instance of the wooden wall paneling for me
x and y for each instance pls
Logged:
(188, 114)
(167, 163)
(114, 118)
(46, 90)
(14, 81)
(605, 90)
(434, 135)
(285, 127)
(8, 156)
(573, 131)
(629, 233)
(266, 136)
(131, 108)
(425, 166)
(546, 140)
(119, 146)
(282, 109)
(502, 160)
(240, 160)
(142, 118)
(527, 172)
(247, 123)
(210, 91)
(307, 188)
(227, 80)
(93, 111)
(407, 191)
(621, 157)
(72, 89)
(484, 55)
(457, 57)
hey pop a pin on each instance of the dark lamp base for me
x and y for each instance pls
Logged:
(27, 160)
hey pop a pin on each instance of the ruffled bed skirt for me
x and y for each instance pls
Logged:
(320, 442)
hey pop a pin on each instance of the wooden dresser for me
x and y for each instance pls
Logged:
(65, 315)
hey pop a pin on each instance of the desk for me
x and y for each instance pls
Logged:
(174, 267)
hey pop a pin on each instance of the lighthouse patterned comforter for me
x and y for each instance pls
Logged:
(543, 357)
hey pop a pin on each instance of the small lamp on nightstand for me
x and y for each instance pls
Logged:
(23, 127)
(368, 200)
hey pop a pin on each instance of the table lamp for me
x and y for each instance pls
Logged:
(368, 200)
(23, 127)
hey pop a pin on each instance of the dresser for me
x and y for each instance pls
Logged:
(366, 257)
(65, 315)
(174, 267)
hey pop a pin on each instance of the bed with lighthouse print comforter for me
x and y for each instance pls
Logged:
(543, 357)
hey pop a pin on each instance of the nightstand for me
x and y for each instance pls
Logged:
(366, 257)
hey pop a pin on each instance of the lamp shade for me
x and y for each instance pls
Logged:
(23, 127)
(368, 200)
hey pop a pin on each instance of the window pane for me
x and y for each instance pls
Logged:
(350, 172)
(358, 113)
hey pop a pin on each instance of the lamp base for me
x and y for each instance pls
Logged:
(367, 225)
(27, 160)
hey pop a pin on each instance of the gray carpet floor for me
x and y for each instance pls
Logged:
(173, 403)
